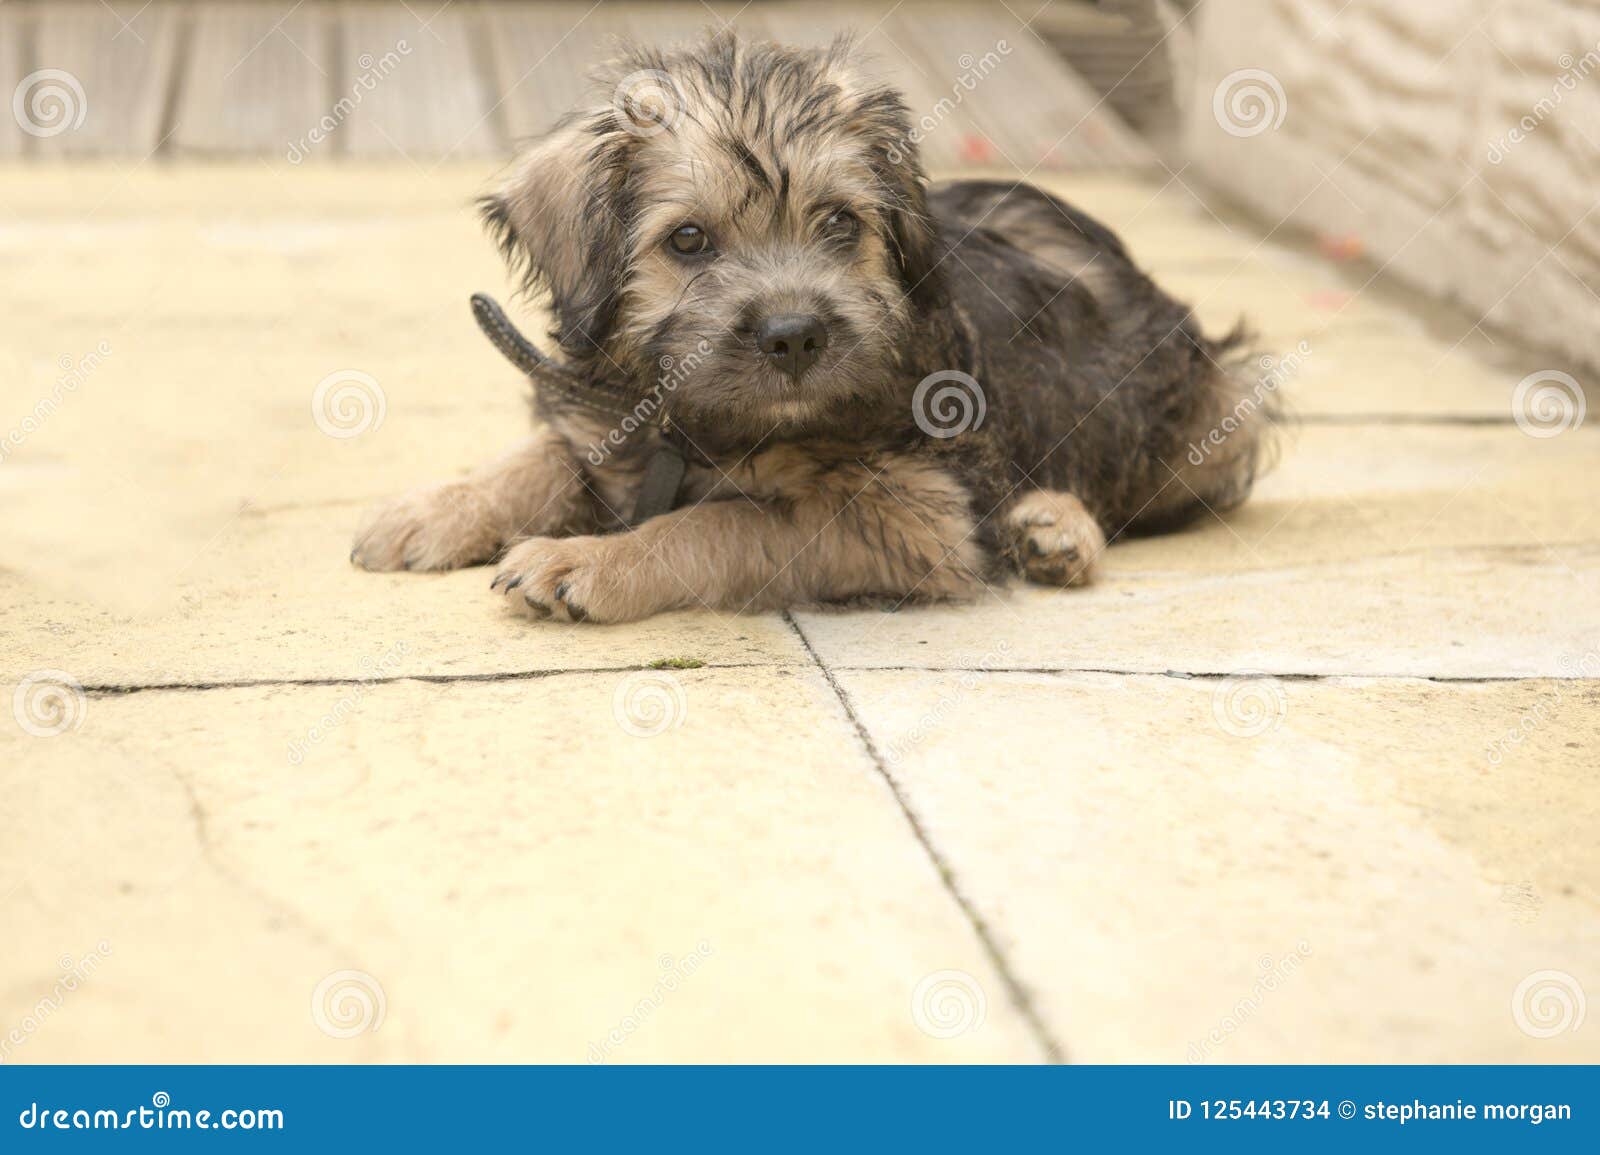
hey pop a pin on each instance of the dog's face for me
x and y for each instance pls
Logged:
(742, 226)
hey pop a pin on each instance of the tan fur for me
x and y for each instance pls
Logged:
(1056, 541)
(535, 489)
(805, 528)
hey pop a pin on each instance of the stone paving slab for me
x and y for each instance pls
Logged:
(1346, 876)
(512, 869)
(182, 517)
(1452, 552)
(275, 598)
(1438, 517)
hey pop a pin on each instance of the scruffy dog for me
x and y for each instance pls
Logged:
(882, 389)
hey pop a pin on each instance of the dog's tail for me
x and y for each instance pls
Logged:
(1229, 441)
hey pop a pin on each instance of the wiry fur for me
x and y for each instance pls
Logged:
(825, 487)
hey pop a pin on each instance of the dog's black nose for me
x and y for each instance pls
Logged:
(794, 341)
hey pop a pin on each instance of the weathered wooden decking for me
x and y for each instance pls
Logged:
(424, 80)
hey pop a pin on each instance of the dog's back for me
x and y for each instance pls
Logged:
(1099, 384)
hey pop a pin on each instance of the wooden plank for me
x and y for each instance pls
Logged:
(13, 67)
(541, 54)
(122, 58)
(421, 92)
(258, 81)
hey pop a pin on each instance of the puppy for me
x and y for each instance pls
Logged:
(883, 389)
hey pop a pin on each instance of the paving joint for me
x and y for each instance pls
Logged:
(1021, 997)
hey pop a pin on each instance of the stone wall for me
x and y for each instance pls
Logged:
(1455, 142)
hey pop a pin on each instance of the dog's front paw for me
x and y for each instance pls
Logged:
(573, 579)
(1057, 541)
(445, 527)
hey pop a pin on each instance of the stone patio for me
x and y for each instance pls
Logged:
(1316, 783)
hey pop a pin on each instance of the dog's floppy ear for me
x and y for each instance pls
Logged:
(898, 168)
(915, 239)
(559, 221)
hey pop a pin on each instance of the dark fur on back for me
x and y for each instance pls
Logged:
(1096, 381)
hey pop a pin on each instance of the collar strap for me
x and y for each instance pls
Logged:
(663, 475)
(547, 373)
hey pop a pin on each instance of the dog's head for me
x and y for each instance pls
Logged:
(742, 225)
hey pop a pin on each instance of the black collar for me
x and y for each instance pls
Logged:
(663, 475)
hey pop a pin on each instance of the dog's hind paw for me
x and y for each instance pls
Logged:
(1054, 539)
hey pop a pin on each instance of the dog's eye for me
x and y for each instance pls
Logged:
(690, 240)
(842, 225)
